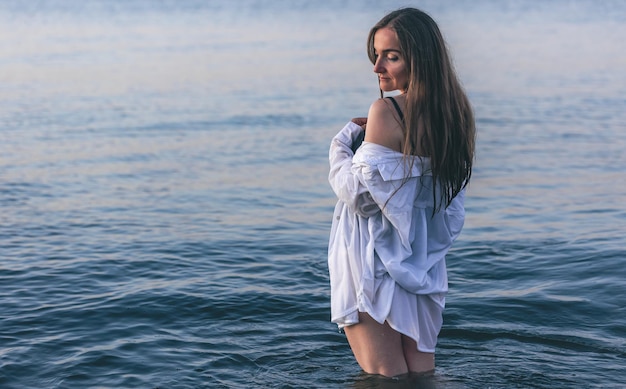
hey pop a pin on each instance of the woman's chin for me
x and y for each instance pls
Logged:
(386, 86)
(388, 89)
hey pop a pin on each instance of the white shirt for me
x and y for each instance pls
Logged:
(384, 238)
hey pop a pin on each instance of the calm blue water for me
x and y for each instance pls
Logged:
(164, 209)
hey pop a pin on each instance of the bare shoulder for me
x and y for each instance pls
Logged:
(383, 125)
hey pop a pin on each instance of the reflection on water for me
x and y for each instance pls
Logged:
(561, 49)
(208, 62)
(366, 381)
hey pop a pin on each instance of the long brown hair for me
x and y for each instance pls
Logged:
(435, 100)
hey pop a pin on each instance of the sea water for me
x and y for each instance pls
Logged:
(164, 208)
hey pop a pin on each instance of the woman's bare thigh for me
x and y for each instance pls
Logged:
(417, 361)
(377, 347)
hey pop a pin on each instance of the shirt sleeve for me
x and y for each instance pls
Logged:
(343, 176)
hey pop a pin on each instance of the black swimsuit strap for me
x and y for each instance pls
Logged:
(395, 104)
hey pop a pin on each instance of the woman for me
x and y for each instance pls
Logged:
(400, 199)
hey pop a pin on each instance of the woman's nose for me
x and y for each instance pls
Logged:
(378, 68)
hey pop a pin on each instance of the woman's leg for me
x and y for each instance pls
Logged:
(417, 361)
(377, 347)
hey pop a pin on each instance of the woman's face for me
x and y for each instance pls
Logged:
(390, 65)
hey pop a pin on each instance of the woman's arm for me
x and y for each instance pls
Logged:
(343, 180)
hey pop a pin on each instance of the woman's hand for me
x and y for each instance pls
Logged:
(360, 121)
